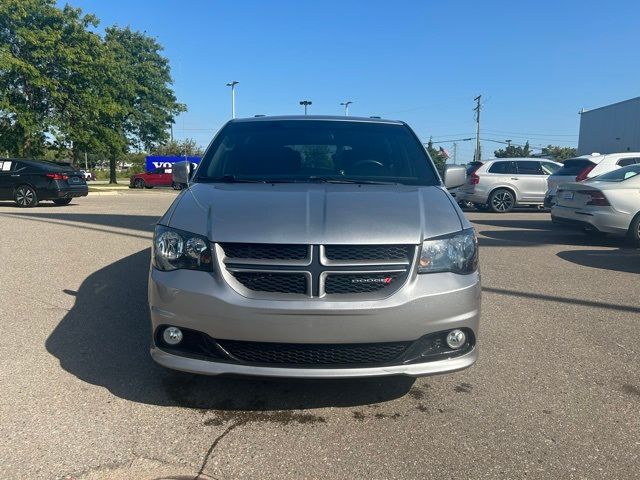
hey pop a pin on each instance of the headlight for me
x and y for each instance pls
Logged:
(174, 249)
(457, 253)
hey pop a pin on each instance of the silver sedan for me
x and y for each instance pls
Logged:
(609, 203)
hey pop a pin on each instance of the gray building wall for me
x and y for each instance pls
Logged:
(610, 129)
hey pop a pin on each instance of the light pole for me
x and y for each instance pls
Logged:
(346, 107)
(233, 97)
(305, 103)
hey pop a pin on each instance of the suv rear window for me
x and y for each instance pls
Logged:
(317, 150)
(574, 166)
(504, 167)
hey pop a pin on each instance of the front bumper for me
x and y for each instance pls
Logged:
(205, 367)
(204, 302)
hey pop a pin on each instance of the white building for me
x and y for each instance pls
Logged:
(613, 128)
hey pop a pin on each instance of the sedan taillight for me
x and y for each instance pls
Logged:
(57, 176)
(596, 197)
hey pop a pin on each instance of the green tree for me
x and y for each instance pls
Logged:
(558, 153)
(27, 64)
(173, 148)
(65, 87)
(513, 151)
(146, 104)
(439, 158)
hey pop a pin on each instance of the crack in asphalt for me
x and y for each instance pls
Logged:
(213, 446)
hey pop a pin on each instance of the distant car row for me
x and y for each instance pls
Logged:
(598, 193)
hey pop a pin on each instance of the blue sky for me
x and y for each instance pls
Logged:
(535, 64)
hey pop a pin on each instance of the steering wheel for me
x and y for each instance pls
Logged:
(368, 161)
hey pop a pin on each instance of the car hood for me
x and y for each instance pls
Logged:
(315, 213)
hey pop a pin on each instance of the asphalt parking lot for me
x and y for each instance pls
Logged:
(555, 393)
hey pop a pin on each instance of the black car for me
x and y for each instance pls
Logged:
(28, 182)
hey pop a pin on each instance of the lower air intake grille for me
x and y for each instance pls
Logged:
(314, 354)
(273, 282)
(360, 282)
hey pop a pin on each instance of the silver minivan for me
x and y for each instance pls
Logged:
(314, 246)
(501, 184)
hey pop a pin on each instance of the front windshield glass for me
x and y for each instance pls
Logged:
(619, 175)
(317, 151)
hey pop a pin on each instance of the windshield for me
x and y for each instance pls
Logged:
(317, 151)
(619, 175)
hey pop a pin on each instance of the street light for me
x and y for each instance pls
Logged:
(233, 97)
(305, 103)
(346, 107)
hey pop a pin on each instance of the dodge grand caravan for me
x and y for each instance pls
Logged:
(318, 247)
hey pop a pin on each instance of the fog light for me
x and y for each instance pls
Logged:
(173, 335)
(456, 339)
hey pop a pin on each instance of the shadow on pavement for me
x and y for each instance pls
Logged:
(104, 340)
(552, 236)
(622, 260)
(145, 223)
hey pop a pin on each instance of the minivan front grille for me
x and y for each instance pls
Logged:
(299, 270)
(314, 354)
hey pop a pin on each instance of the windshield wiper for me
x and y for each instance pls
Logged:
(348, 180)
(230, 179)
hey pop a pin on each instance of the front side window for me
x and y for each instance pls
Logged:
(316, 150)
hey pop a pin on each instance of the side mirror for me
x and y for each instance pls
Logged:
(454, 176)
(181, 172)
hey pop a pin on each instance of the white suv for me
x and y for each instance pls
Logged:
(501, 184)
(587, 166)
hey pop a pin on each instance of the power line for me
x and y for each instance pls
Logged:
(545, 135)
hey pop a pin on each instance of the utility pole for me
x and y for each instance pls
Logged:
(455, 152)
(346, 107)
(305, 103)
(477, 155)
(233, 97)
(86, 164)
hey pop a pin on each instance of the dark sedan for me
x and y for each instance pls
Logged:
(27, 182)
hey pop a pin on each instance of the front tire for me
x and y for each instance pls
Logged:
(25, 197)
(176, 186)
(138, 183)
(62, 201)
(502, 200)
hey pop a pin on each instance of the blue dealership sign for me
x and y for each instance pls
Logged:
(156, 161)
